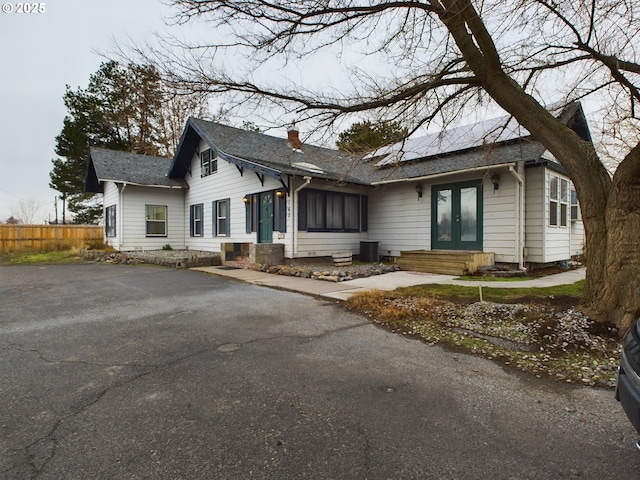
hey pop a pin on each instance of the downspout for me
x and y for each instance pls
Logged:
(120, 221)
(521, 217)
(185, 216)
(294, 212)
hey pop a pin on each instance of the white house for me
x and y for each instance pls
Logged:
(488, 187)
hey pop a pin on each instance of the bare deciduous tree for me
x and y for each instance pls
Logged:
(443, 59)
(26, 211)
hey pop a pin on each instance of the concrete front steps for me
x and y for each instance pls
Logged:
(445, 262)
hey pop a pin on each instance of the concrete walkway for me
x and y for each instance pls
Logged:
(388, 281)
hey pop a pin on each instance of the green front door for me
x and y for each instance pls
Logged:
(456, 212)
(265, 233)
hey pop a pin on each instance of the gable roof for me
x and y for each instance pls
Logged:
(130, 168)
(264, 154)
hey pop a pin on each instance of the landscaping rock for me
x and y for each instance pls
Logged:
(167, 258)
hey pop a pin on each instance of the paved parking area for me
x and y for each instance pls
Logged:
(114, 371)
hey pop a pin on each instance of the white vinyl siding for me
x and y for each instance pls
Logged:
(577, 238)
(399, 219)
(535, 213)
(550, 236)
(132, 216)
(111, 198)
(230, 184)
(500, 227)
(233, 184)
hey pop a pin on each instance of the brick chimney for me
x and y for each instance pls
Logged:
(293, 135)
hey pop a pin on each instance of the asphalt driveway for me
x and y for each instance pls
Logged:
(113, 371)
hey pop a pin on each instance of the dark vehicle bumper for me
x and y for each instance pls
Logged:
(628, 388)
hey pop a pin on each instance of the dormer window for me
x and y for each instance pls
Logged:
(208, 163)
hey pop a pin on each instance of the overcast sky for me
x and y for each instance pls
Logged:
(40, 53)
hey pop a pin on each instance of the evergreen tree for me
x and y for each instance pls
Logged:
(366, 136)
(122, 108)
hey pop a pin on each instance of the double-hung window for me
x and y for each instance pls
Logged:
(553, 201)
(564, 202)
(110, 221)
(221, 221)
(208, 162)
(574, 206)
(156, 220)
(196, 220)
(558, 201)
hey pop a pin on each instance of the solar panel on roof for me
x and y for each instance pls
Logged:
(451, 140)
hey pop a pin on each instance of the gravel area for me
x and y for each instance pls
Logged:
(330, 272)
(192, 258)
(169, 258)
(535, 338)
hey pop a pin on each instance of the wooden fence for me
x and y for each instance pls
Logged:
(46, 238)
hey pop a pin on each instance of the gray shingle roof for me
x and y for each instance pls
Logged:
(132, 168)
(268, 155)
(276, 154)
(500, 154)
(272, 152)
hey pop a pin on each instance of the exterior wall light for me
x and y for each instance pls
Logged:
(419, 190)
(495, 179)
(245, 199)
(279, 193)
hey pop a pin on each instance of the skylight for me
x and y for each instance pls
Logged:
(309, 167)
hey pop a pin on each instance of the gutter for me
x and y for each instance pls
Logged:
(120, 217)
(142, 184)
(294, 234)
(445, 174)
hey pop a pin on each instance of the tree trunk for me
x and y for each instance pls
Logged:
(615, 296)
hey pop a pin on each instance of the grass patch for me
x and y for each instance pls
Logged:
(491, 294)
(42, 258)
(486, 278)
(533, 330)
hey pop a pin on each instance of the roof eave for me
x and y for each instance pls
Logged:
(138, 184)
(443, 174)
